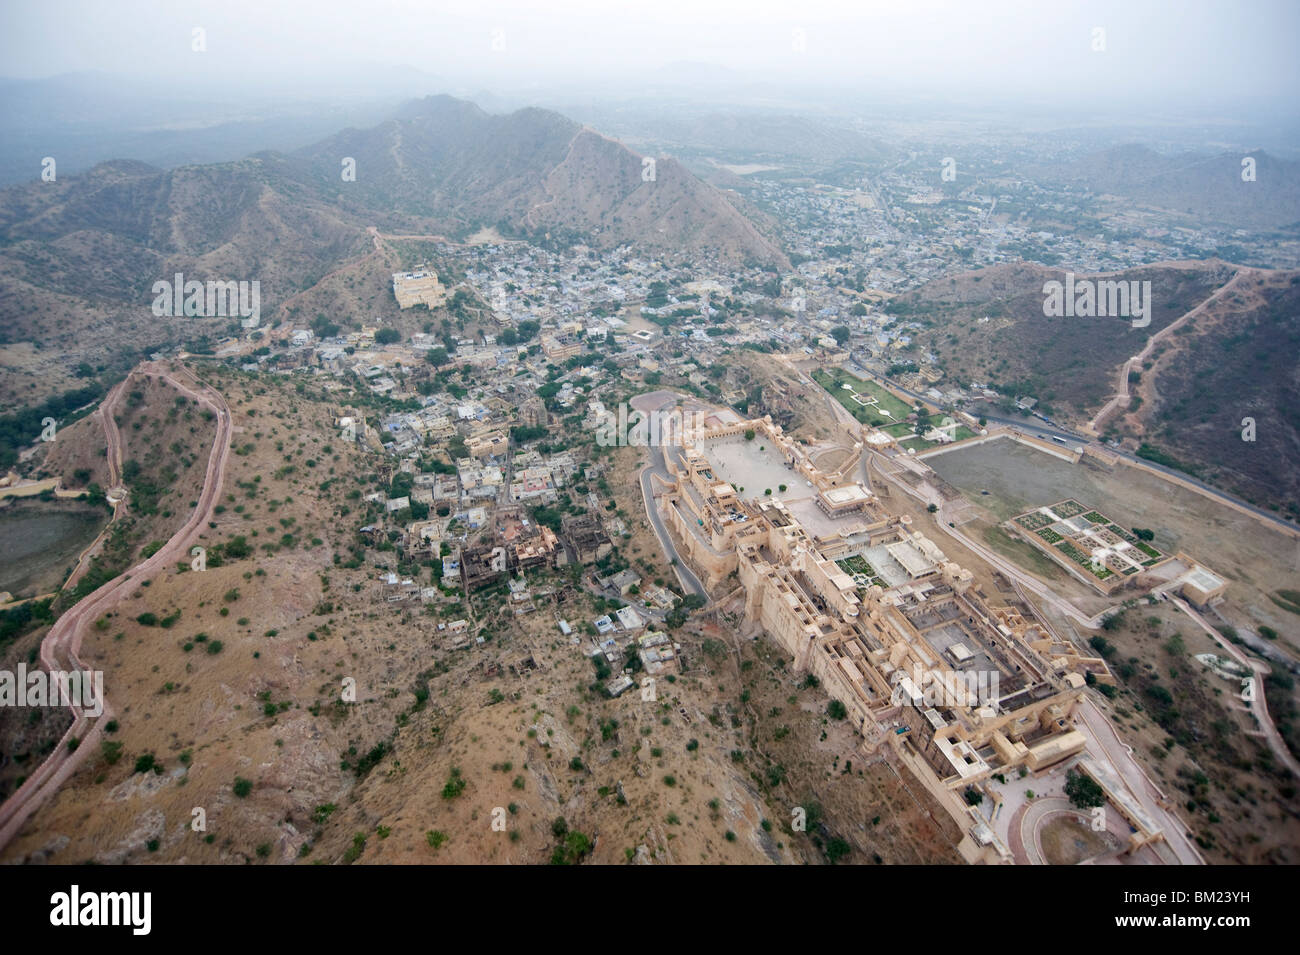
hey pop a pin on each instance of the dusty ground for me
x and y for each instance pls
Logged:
(1256, 559)
(169, 442)
(1065, 841)
(469, 755)
(1201, 747)
(438, 739)
(875, 807)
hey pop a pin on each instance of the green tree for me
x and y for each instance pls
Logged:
(836, 849)
(1083, 790)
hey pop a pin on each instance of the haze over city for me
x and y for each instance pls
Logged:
(674, 433)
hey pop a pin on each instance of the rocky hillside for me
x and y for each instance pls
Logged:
(1208, 188)
(79, 256)
(446, 165)
(1234, 358)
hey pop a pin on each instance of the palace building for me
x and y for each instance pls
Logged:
(960, 686)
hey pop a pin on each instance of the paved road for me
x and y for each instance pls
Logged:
(685, 575)
(1093, 723)
(1259, 707)
(61, 647)
(1029, 822)
(1041, 431)
(1035, 430)
(662, 401)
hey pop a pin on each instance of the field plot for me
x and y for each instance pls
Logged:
(1256, 559)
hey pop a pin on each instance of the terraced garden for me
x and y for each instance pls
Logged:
(861, 571)
(1034, 521)
(1083, 560)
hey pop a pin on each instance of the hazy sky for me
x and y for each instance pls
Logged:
(1154, 50)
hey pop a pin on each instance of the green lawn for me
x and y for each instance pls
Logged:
(833, 379)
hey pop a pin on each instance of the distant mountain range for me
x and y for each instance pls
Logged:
(1207, 188)
(79, 255)
(530, 173)
(82, 119)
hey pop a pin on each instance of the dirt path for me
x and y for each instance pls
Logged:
(62, 644)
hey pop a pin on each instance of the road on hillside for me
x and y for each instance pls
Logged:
(61, 647)
(1093, 723)
(1258, 705)
(1072, 439)
(656, 468)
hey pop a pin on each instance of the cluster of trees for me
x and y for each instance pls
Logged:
(24, 617)
(323, 327)
(522, 434)
(146, 491)
(682, 609)
(1084, 791)
(522, 333)
(573, 846)
(24, 427)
